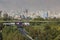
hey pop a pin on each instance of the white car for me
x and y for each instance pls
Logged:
(26, 24)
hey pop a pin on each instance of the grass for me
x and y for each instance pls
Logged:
(36, 31)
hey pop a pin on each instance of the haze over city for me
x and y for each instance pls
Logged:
(29, 19)
(31, 5)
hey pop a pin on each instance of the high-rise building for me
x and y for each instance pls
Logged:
(45, 15)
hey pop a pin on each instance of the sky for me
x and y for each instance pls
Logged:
(31, 5)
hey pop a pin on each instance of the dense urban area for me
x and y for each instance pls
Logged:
(26, 14)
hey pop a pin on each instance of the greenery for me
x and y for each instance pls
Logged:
(37, 30)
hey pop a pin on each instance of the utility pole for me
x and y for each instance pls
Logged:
(0, 13)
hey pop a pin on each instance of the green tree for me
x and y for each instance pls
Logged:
(5, 16)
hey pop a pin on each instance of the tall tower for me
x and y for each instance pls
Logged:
(26, 13)
(47, 15)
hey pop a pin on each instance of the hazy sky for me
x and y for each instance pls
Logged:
(30, 4)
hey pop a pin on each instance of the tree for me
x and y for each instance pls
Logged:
(39, 18)
(5, 17)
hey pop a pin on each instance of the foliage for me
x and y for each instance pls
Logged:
(43, 31)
